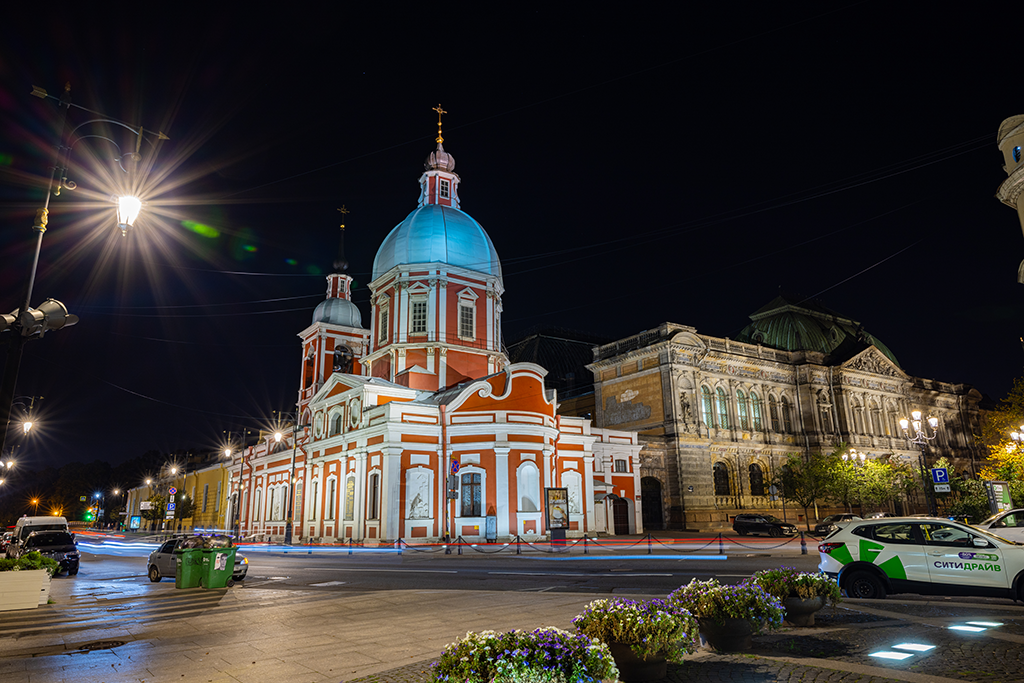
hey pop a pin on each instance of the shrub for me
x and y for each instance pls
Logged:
(716, 602)
(652, 628)
(29, 561)
(787, 582)
(544, 655)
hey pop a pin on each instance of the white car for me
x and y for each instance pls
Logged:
(874, 557)
(1008, 524)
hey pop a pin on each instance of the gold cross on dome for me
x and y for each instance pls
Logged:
(344, 212)
(439, 112)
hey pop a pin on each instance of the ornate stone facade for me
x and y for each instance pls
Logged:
(719, 416)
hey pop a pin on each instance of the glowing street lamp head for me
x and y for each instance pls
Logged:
(227, 452)
(117, 492)
(26, 426)
(128, 209)
(148, 482)
(10, 463)
(277, 436)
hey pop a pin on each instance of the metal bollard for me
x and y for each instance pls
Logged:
(585, 551)
(350, 546)
(459, 542)
(649, 544)
(518, 549)
(803, 544)
(721, 544)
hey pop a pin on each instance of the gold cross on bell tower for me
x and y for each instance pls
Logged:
(439, 112)
(344, 212)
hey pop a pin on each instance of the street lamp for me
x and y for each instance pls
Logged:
(25, 323)
(921, 439)
(278, 435)
(35, 507)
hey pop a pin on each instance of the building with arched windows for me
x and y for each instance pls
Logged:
(719, 416)
(416, 426)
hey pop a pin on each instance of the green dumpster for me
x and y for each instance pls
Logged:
(218, 562)
(188, 564)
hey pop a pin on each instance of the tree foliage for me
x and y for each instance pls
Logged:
(1005, 459)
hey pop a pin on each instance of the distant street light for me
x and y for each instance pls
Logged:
(288, 522)
(921, 439)
(35, 507)
(25, 323)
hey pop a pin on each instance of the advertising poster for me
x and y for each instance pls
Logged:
(136, 522)
(557, 508)
(998, 496)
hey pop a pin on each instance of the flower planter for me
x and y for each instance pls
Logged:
(24, 589)
(800, 611)
(734, 635)
(633, 668)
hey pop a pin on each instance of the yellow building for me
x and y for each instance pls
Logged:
(205, 487)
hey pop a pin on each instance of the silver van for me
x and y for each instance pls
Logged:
(27, 525)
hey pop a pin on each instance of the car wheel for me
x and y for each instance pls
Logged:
(774, 532)
(231, 582)
(864, 585)
(73, 571)
(741, 532)
(154, 574)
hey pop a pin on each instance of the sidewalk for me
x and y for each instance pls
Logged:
(257, 635)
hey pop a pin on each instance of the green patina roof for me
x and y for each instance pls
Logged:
(792, 323)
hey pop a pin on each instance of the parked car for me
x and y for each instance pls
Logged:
(26, 525)
(161, 562)
(762, 524)
(930, 556)
(5, 540)
(832, 522)
(1008, 525)
(879, 515)
(57, 545)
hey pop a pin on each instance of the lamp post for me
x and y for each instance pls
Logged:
(236, 509)
(856, 458)
(35, 507)
(25, 323)
(100, 505)
(921, 439)
(288, 524)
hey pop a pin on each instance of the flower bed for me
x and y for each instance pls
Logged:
(787, 582)
(544, 655)
(713, 601)
(651, 628)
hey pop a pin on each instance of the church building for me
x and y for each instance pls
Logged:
(416, 426)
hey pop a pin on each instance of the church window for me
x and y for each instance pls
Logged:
(256, 507)
(723, 408)
(418, 315)
(787, 418)
(620, 466)
(721, 477)
(741, 410)
(336, 420)
(313, 499)
(373, 504)
(773, 413)
(755, 411)
(445, 191)
(382, 333)
(756, 479)
(471, 495)
(528, 487)
(467, 328)
(709, 415)
(1016, 153)
(332, 494)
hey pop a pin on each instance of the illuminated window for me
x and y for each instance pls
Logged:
(741, 410)
(418, 317)
(706, 408)
(466, 321)
(755, 410)
(773, 413)
(373, 504)
(445, 189)
(723, 408)
(720, 474)
(382, 332)
(1016, 153)
(313, 499)
(471, 495)
(787, 422)
(332, 494)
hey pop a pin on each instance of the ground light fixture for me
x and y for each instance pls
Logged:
(913, 647)
(891, 655)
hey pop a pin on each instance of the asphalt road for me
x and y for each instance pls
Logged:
(659, 574)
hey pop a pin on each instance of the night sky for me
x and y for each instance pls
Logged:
(632, 167)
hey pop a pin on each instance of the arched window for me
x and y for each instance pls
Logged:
(787, 420)
(314, 498)
(723, 408)
(741, 410)
(574, 483)
(528, 487)
(256, 507)
(876, 419)
(332, 495)
(336, 420)
(756, 479)
(707, 409)
(755, 411)
(471, 495)
(773, 413)
(721, 477)
(373, 498)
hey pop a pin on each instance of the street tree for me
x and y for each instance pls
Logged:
(804, 481)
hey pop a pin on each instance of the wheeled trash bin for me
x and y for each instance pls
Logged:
(188, 563)
(218, 562)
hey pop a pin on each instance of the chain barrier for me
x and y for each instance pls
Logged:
(762, 547)
(686, 550)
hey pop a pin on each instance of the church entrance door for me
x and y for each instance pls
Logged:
(650, 492)
(620, 515)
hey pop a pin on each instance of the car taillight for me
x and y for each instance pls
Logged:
(829, 547)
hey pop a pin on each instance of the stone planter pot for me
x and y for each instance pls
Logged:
(22, 589)
(735, 635)
(633, 668)
(800, 611)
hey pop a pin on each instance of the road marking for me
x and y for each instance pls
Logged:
(565, 574)
(631, 557)
(328, 583)
(400, 571)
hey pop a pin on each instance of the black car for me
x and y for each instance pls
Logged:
(57, 545)
(832, 522)
(762, 524)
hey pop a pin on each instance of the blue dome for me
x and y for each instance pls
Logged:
(338, 312)
(435, 233)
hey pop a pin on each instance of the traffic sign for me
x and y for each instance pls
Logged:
(940, 475)
(172, 490)
(455, 466)
(81, 498)
(942, 488)
(170, 506)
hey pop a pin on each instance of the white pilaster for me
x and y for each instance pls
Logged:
(501, 486)
(390, 485)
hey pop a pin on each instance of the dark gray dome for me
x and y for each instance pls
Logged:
(338, 312)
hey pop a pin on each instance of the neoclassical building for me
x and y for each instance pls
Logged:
(718, 416)
(1010, 140)
(417, 426)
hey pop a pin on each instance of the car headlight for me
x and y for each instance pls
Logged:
(245, 560)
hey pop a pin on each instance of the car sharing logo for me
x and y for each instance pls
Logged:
(978, 556)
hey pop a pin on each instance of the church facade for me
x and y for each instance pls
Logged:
(719, 416)
(416, 426)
